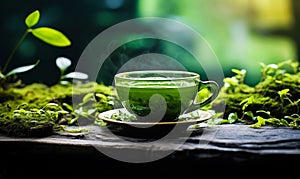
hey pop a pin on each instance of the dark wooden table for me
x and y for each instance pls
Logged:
(221, 150)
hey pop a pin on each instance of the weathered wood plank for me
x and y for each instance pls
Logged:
(225, 150)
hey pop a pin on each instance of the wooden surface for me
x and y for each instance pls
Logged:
(222, 148)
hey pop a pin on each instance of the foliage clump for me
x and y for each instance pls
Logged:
(37, 109)
(273, 101)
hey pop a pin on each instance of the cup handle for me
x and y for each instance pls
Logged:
(214, 89)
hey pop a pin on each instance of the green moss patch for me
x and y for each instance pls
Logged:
(273, 101)
(38, 110)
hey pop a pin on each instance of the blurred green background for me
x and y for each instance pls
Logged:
(242, 33)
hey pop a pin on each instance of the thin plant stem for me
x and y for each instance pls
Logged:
(14, 50)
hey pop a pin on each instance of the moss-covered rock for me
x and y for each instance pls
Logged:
(37, 109)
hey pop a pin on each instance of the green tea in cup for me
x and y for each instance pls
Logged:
(161, 96)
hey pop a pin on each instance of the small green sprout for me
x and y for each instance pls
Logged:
(63, 64)
(46, 34)
(260, 122)
(284, 95)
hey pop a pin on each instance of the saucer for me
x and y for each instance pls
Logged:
(127, 126)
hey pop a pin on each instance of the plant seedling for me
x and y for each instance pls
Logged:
(46, 34)
(63, 63)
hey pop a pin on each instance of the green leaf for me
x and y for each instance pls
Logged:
(261, 120)
(69, 107)
(268, 113)
(246, 102)
(51, 36)
(88, 97)
(239, 72)
(232, 118)
(249, 114)
(52, 106)
(22, 69)
(32, 19)
(283, 92)
(1, 75)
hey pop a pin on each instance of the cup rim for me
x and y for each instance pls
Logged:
(121, 75)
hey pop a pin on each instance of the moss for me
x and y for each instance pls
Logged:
(26, 126)
(37, 109)
(276, 96)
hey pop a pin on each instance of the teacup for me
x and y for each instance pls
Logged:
(162, 96)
